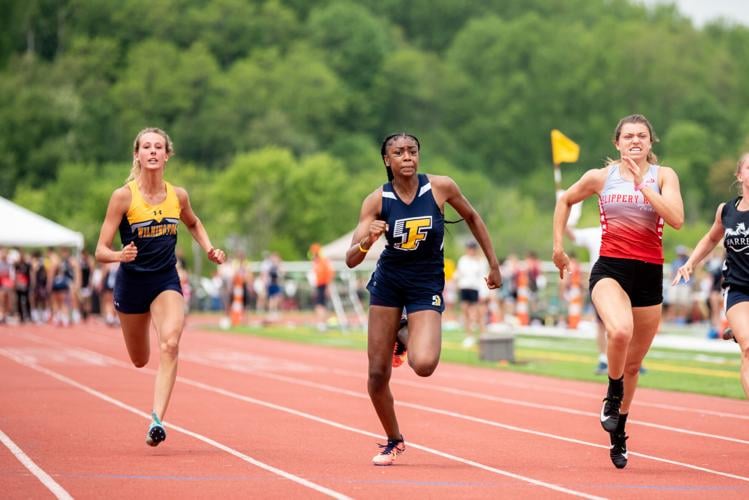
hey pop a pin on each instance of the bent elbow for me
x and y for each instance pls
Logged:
(677, 223)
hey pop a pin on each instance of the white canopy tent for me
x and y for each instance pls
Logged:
(23, 228)
(336, 250)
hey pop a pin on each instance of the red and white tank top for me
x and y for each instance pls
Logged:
(631, 227)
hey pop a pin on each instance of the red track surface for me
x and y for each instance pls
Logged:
(256, 418)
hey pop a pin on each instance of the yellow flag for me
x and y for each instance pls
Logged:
(563, 149)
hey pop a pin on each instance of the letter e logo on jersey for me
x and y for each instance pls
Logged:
(411, 232)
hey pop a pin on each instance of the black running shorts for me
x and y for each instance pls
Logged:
(641, 281)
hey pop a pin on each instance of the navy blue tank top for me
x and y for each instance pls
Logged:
(736, 243)
(415, 235)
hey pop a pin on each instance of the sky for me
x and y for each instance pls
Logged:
(702, 11)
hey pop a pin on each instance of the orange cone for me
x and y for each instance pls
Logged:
(237, 301)
(522, 311)
(574, 296)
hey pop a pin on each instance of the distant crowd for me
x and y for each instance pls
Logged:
(57, 287)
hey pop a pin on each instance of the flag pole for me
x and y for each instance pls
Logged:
(557, 177)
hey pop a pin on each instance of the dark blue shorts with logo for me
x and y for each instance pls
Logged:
(411, 294)
(134, 292)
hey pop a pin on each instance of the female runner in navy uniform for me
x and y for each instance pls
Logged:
(410, 272)
(147, 211)
(730, 225)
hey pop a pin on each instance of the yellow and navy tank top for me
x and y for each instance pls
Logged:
(415, 235)
(153, 228)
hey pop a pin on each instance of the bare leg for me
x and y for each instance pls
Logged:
(168, 312)
(646, 321)
(615, 309)
(424, 341)
(135, 329)
(738, 318)
(383, 323)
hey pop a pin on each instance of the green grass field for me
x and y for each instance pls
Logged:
(688, 371)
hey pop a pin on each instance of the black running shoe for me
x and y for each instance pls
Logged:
(618, 451)
(401, 338)
(156, 432)
(728, 335)
(610, 412)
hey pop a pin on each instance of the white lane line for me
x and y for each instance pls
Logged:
(52, 485)
(497, 382)
(291, 411)
(461, 416)
(338, 425)
(587, 395)
(62, 378)
(234, 361)
(333, 389)
(237, 362)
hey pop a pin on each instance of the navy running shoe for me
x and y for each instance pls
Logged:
(728, 335)
(610, 412)
(156, 432)
(618, 451)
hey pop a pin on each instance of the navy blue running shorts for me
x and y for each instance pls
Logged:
(422, 297)
(734, 295)
(134, 292)
(321, 295)
(641, 281)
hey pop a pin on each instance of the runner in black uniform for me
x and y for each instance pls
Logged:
(731, 225)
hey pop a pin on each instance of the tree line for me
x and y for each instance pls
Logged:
(277, 107)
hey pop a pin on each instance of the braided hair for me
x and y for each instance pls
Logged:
(386, 142)
(383, 151)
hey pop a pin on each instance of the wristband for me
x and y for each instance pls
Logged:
(362, 249)
(640, 186)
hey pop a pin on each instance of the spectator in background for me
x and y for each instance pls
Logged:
(450, 293)
(274, 277)
(679, 295)
(714, 268)
(536, 280)
(470, 273)
(85, 291)
(39, 290)
(323, 275)
(63, 277)
(22, 281)
(6, 285)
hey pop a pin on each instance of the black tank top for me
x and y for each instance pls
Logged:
(736, 243)
(415, 234)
